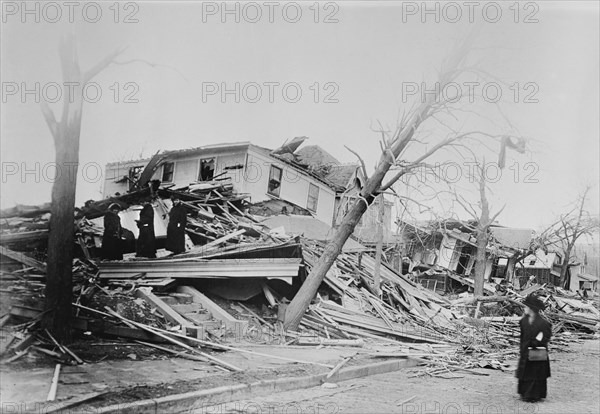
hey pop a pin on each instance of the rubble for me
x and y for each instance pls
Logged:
(235, 280)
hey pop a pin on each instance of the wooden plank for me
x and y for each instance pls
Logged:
(218, 241)
(23, 236)
(174, 341)
(54, 385)
(217, 312)
(22, 258)
(169, 313)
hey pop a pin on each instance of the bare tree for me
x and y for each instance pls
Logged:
(57, 317)
(483, 219)
(567, 229)
(393, 147)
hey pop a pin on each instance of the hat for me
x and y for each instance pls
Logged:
(534, 302)
(114, 206)
(174, 197)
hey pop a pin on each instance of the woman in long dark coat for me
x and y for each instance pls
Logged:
(112, 245)
(535, 333)
(176, 227)
(146, 242)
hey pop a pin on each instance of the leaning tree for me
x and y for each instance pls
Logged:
(394, 145)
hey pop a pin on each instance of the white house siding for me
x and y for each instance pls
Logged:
(294, 185)
(252, 179)
(115, 171)
(187, 167)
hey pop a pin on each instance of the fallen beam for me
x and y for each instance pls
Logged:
(190, 268)
(168, 312)
(216, 311)
(23, 236)
(22, 258)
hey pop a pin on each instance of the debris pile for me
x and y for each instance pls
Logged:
(234, 282)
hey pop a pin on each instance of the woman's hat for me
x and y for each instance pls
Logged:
(534, 302)
(114, 206)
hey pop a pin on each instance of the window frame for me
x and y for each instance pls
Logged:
(316, 198)
(172, 172)
(134, 174)
(214, 160)
(277, 190)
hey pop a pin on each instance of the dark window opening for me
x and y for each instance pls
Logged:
(168, 169)
(134, 175)
(313, 198)
(532, 262)
(207, 169)
(274, 187)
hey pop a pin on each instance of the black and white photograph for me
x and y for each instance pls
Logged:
(308, 207)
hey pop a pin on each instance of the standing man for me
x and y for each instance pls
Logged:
(112, 245)
(176, 227)
(146, 242)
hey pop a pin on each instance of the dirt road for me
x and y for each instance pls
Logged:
(573, 388)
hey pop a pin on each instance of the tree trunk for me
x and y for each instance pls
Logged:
(297, 307)
(373, 186)
(565, 267)
(59, 288)
(377, 272)
(480, 263)
(59, 284)
(482, 235)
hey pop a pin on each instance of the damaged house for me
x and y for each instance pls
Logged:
(441, 254)
(288, 180)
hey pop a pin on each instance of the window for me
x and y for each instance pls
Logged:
(134, 175)
(168, 169)
(207, 169)
(532, 262)
(274, 181)
(313, 198)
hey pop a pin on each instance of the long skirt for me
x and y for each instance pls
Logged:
(532, 390)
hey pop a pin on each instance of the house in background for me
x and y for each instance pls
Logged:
(306, 181)
(443, 252)
(348, 180)
(544, 266)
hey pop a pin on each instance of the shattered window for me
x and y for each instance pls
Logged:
(274, 181)
(134, 175)
(168, 169)
(313, 198)
(207, 169)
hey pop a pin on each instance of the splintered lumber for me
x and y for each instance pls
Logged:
(23, 236)
(215, 310)
(174, 341)
(181, 354)
(337, 367)
(63, 348)
(218, 241)
(168, 312)
(164, 333)
(59, 407)
(303, 340)
(54, 384)
(198, 268)
(22, 258)
(254, 314)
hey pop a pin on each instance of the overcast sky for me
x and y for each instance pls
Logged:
(353, 63)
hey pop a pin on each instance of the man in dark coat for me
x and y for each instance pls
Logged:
(112, 245)
(535, 333)
(146, 242)
(176, 227)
